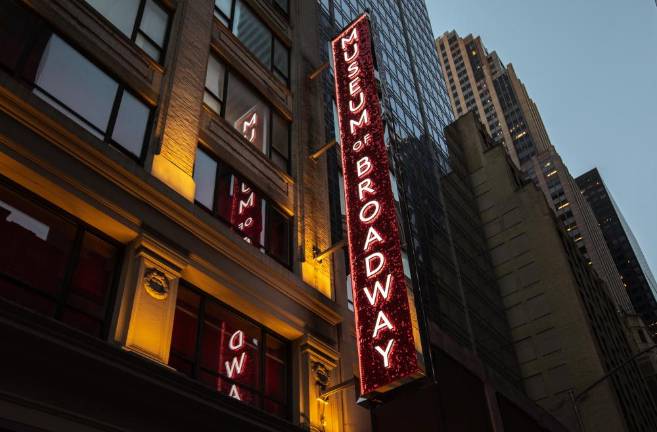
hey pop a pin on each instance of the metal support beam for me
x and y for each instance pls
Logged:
(319, 152)
(319, 256)
(314, 74)
(336, 388)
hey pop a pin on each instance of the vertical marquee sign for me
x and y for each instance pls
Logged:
(387, 352)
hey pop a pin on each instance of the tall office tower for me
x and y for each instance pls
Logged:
(472, 375)
(159, 217)
(479, 82)
(628, 257)
(565, 328)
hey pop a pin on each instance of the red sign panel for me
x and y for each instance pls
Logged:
(387, 352)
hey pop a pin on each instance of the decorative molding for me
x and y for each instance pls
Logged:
(319, 352)
(156, 283)
(57, 129)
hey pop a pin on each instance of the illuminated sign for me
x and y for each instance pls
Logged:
(387, 351)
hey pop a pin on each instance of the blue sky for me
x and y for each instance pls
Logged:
(591, 67)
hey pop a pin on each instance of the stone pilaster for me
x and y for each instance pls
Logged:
(318, 371)
(149, 299)
(180, 114)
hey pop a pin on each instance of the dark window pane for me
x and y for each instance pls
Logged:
(247, 113)
(278, 236)
(205, 175)
(131, 121)
(75, 83)
(36, 244)
(181, 365)
(120, 13)
(231, 358)
(283, 5)
(93, 275)
(281, 58)
(275, 408)
(222, 11)
(230, 346)
(183, 340)
(17, 26)
(151, 49)
(275, 367)
(280, 139)
(279, 160)
(253, 33)
(214, 84)
(30, 299)
(36, 255)
(154, 22)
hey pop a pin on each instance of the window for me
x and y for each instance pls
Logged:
(230, 97)
(255, 35)
(55, 265)
(144, 22)
(70, 82)
(233, 200)
(229, 353)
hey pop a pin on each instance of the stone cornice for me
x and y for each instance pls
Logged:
(19, 103)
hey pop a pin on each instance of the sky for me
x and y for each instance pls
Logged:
(591, 67)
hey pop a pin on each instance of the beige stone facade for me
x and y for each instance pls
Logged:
(146, 206)
(555, 305)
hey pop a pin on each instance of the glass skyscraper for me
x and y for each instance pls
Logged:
(448, 264)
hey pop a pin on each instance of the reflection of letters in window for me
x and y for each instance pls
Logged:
(247, 124)
(246, 212)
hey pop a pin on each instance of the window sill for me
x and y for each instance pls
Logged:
(231, 50)
(245, 158)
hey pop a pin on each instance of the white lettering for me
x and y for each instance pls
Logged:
(353, 55)
(353, 69)
(385, 353)
(364, 186)
(236, 341)
(364, 120)
(234, 393)
(363, 166)
(364, 217)
(378, 288)
(381, 323)
(250, 125)
(360, 106)
(246, 204)
(347, 40)
(235, 366)
(380, 262)
(354, 86)
(372, 236)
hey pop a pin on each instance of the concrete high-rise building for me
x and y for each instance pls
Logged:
(566, 331)
(479, 82)
(625, 250)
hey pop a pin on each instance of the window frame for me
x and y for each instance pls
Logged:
(268, 203)
(60, 299)
(19, 73)
(271, 67)
(196, 366)
(228, 72)
(136, 29)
